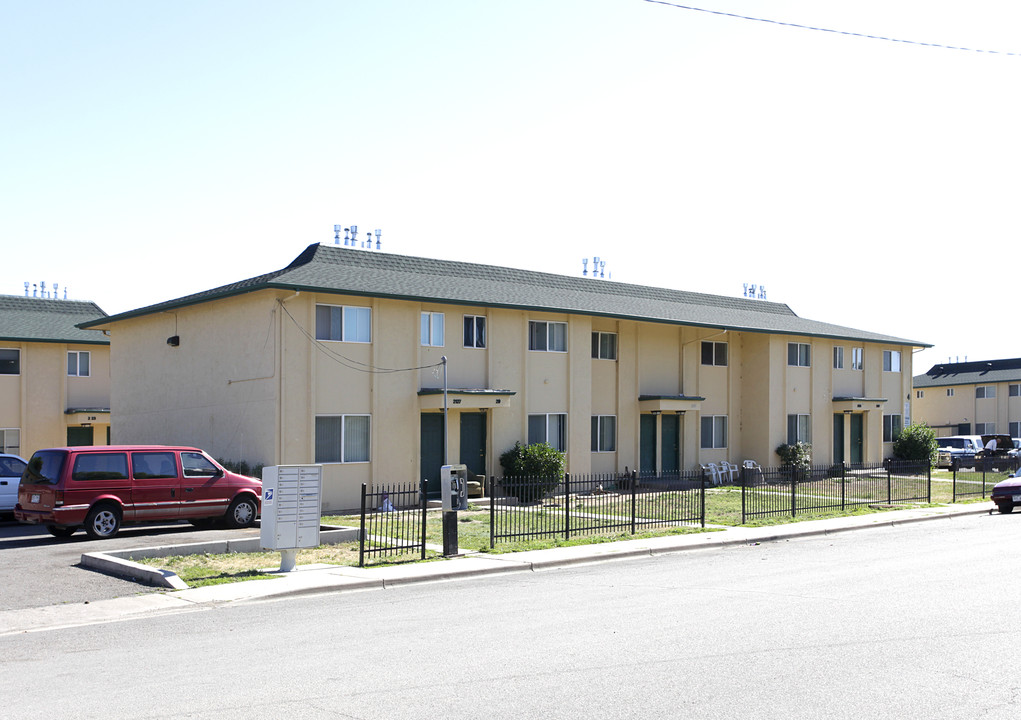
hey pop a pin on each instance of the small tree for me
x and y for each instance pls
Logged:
(532, 472)
(916, 442)
(797, 455)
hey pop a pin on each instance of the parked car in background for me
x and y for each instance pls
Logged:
(957, 447)
(1006, 495)
(994, 445)
(11, 467)
(101, 487)
(1017, 447)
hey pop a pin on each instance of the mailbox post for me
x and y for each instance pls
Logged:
(454, 496)
(291, 510)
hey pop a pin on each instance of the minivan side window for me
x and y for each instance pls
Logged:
(153, 465)
(100, 466)
(198, 465)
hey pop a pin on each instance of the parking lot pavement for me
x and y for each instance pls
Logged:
(37, 569)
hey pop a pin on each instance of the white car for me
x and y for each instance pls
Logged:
(11, 467)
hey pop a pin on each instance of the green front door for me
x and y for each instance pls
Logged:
(838, 437)
(473, 442)
(647, 444)
(670, 426)
(432, 452)
(857, 438)
(79, 436)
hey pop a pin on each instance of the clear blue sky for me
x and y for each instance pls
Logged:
(149, 150)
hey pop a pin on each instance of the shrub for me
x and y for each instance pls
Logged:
(916, 442)
(532, 472)
(797, 455)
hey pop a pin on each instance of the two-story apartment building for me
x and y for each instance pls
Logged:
(970, 398)
(54, 376)
(342, 357)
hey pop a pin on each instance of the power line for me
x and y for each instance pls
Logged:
(830, 30)
(347, 362)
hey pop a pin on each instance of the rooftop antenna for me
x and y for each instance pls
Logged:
(26, 288)
(336, 234)
(379, 245)
(351, 237)
(42, 290)
(584, 268)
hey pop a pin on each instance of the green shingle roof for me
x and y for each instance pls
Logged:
(979, 372)
(333, 269)
(30, 319)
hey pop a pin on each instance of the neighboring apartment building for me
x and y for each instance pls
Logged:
(54, 377)
(338, 359)
(970, 398)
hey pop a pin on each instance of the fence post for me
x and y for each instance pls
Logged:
(795, 471)
(928, 483)
(701, 497)
(634, 494)
(425, 504)
(889, 481)
(361, 535)
(567, 506)
(744, 486)
(492, 511)
(843, 486)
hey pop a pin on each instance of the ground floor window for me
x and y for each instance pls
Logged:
(342, 438)
(548, 428)
(714, 431)
(604, 433)
(985, 428)
(10, 440)
(799, 429)
(892, 425)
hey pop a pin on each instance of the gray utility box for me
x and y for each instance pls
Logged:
(292, 501)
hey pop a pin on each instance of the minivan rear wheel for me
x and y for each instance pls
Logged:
(242, 512)
(103, 521)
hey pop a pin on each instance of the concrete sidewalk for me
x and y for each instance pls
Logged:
(314, 579)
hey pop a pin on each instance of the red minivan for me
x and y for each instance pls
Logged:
(100, 487)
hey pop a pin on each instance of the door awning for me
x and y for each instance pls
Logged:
(857, 404)
(464, 398)
(669, 403)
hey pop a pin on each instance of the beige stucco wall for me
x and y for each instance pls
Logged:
(37, 400)
(247, 382)
(945, 412)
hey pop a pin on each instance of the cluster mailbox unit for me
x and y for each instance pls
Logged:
(291, 509)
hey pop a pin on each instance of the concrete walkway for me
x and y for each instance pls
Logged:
(314, 579)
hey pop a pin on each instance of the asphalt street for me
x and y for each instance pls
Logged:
(917, 620)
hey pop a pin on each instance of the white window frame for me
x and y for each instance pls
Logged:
(477, 325)
(857, 358)
(1014, 390)
(10, 441)
(838, 357)
(891, 360)
(919, 394)
(985, 392)
(799, 428)
(802, 354)
(559, 419)
(353, 319)
(604, 345)
(344, 458)
(719, 351)
(604, 433)
(950, 392)
(717, 437)
(432, 329)
(17, 352)
(554, 336)
(74, 363)
(986, 428)
(893, 426)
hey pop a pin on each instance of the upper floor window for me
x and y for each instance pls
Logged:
(891, 360)
(714, 353)
(838, 358)
(78, 363)
(604, 433)
(892, 425)
(548, 428)
(1014, 390)
(919, 394)
(344, 323)
(432, 329)
(547, 336)
(799, 429)
(604, 346)
(799, 354)
(474, 331)
(857, 358)
(714, 431)
(985, 391)
(10, 361)
(950, 392)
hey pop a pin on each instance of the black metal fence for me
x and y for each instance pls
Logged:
(591, 504)
(393, 522)
(974, 477)
(791, 490)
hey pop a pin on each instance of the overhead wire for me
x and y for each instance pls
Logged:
(347, 362)
(830, 30)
